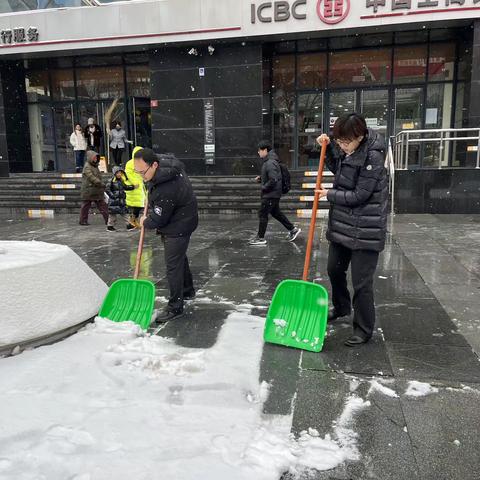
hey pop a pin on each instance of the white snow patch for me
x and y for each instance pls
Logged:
(45, 288)
(115, 402)
(280, 323)
(419, 389)
(456, 442)
(377, 386)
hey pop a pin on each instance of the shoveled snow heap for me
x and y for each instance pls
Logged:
(112, 403)
(44, 288)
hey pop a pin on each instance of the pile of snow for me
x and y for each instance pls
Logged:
(419, 389)
(114, 402)
(45, 288)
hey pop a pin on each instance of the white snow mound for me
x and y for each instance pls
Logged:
(45, 288)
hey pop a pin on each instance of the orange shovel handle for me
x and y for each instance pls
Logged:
(313, 221)
(140, 244)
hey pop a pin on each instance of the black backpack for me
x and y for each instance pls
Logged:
(286, 185)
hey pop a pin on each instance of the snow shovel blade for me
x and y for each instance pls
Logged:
(297, 316)
(130, 300)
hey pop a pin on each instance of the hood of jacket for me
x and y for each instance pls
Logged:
(169, 168)
(272, 155)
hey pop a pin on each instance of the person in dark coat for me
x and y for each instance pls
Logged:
(93, 134)
(357, 221)
(117, 204)
(173, 212)
(271, 181)
(92, 188)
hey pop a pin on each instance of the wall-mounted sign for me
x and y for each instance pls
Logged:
(209, 146)
(11, 36)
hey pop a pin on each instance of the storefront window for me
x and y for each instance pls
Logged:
(284, 73)
(63, 85)
(100, 82)
(37, 85)
(283, 127)
(465, 62)
(341, 103)
(312, 71)
(138, 80)
(360, 67)
(441, 64)
(410, 64)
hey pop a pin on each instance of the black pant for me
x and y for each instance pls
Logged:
(117, 155)
(364, 264)
(178, 270)
(271, 206)
(136, 211)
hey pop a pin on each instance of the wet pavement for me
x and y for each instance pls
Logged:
(428, 329)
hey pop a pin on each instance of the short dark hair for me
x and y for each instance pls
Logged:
(349, 127)
(265, 144)
(147, 155)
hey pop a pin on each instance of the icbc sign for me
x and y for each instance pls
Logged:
(329, 11)
(333, 11)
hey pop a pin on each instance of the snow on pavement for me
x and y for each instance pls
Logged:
(112, 402)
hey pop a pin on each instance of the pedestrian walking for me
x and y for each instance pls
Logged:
(92, 188)
(117, 204)
(357, 221)
(173, 213)
(93, 134)
(79, 144)
(136, 197)
(271, 181)
(118, 141)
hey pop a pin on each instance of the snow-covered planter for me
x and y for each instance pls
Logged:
(44, 288)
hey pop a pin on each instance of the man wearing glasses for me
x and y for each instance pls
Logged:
(173, 213)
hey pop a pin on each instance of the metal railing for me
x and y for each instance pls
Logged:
(443, 138)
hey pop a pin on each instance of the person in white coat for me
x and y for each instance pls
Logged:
(79, 144)
(118, 141)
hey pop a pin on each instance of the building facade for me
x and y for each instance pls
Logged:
(207, 80)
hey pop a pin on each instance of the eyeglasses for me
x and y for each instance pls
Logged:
(344, 142)
(143, 172)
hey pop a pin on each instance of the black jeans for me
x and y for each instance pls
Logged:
(117, 155)
(364, 264)
(271, 206)
(179, 276)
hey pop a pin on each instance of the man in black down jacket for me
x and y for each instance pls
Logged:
(271, 180)
(173, 213)
(357, 221)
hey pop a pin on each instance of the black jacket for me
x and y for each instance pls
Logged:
(118, 198)
(172, 204)
(359, 197)
(271, 176)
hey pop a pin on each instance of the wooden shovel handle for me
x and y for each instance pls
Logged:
(311, 233)
(140, 244)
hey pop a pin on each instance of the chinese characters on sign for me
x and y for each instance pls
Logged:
(409, 4)
(19, 35)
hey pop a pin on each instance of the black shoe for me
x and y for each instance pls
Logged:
(111, 229)
(190, 296)
(293, 234)
(84, 224)
(257, 241)
(168, 315)
(130, 227)
(355, 340)
(333, 315)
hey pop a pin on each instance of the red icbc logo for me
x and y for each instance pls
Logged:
(333, 11)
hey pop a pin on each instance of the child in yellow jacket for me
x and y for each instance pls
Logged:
(135, 198)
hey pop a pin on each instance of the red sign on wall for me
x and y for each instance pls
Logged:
(333, 11)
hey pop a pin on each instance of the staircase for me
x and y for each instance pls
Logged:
(44, 194)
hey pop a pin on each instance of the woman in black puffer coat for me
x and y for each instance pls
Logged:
(357, 221)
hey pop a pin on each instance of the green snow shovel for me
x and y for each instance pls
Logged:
(131, 299)
(297, 316)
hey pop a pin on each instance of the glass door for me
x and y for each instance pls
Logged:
(341, 103)
(142, 122)
(310, 126)
(408, 116)
(64, 126)
(374, 107)
(42, 139)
